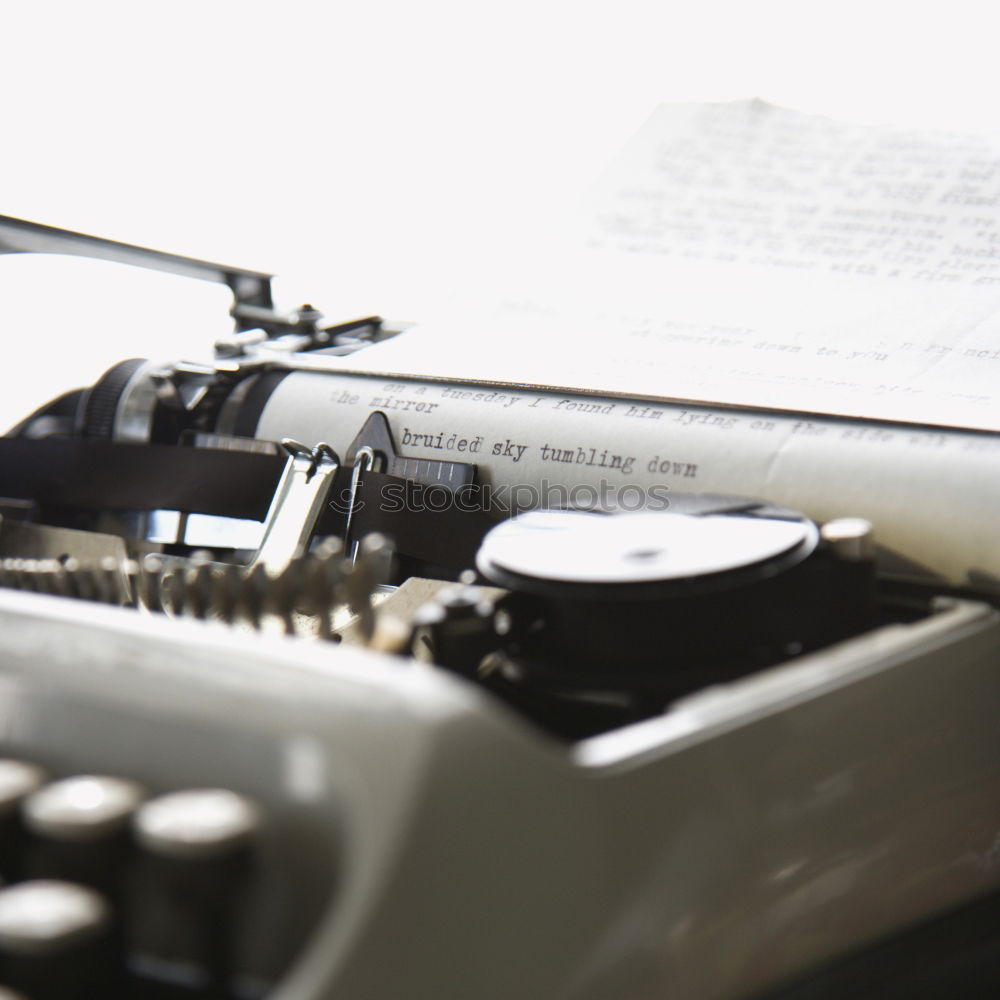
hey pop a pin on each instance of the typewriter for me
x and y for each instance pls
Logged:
(321, 681)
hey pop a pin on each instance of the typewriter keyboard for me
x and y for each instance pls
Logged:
(166, 829)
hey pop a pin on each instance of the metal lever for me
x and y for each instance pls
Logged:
(364, 459)
(298, 502)
(249, 288)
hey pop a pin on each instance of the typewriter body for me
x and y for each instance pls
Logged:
(689, 748)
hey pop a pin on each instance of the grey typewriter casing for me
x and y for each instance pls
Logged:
(444, 848)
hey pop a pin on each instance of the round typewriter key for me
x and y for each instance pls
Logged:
(53, 940)
(82, 808)
(199, 824)
(45, 917)
(18, 779)
(196, 869)
(81, 833)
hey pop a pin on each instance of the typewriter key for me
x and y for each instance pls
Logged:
(200, 825)
(54, 940)
(18, 780)
(81, 828)
(196, 867)
(84, 808)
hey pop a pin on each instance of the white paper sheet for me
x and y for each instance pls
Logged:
(746, 255)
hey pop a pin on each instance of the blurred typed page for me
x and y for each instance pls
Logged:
(750, 256)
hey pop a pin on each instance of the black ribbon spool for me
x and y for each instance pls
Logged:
(654, 601)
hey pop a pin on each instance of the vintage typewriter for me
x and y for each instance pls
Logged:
(301, 697)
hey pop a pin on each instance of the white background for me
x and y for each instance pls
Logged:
(381, 155)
